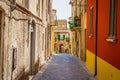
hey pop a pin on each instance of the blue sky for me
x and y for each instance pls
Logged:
(63, 8)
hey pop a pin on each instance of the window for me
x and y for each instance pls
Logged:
(91, 22)
(26, 4)
(85, 2)
(49, 6)
(14, 58)
(38, 8)
(61, 37)
(112, 21)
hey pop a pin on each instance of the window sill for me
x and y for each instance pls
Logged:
(111, 40)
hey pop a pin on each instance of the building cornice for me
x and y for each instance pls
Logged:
(23, 10)
(62, 31)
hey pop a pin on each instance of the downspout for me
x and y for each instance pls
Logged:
(96, 38)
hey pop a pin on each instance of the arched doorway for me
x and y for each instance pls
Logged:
(32, 47)
(61, 48)
(1, 42)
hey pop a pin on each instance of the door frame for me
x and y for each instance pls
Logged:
(1, 43)
(32, 41)
(61, 50)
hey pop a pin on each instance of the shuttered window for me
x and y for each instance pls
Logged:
(58, 36)
(61, 37)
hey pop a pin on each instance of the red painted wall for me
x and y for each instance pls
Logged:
(108, 51)
(90, 41)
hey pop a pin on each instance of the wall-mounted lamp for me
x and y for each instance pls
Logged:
(71, 2)
(13, 5)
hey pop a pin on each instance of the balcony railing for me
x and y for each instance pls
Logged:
(76, 22)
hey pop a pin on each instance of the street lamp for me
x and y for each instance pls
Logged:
(13, 5)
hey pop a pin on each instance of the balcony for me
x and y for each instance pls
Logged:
(77, 21)
(74, 22)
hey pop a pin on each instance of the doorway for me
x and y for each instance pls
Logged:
(1, 42)
(61, 48)
(32, 48)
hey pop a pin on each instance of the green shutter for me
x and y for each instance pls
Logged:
(58, 36)
(71, 25)
(75, 20)
(63, 37)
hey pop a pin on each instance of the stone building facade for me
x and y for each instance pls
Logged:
(78, 30)
(23, 30)
(53, 25)
(61, 37)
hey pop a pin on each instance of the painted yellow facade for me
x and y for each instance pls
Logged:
(75, 31)
(52, 40)
(105, 70)
(73, 43)
(83, 30)
(78, 7)
(53, 25)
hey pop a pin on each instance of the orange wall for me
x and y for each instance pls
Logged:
(108, 51)
(91, 41)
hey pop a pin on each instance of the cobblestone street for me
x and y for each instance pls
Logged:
(63, 67)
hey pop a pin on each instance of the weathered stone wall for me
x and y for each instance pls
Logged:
(62, 25)
(20, 41)
(16, 35)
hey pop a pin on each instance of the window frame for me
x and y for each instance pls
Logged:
(112, 35)
(38, 8)
(91, 21)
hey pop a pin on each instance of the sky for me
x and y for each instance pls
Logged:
(63, 8)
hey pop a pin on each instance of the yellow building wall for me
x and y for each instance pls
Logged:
(72, 42)
(105, 70)
(64, 42)
(52, 40)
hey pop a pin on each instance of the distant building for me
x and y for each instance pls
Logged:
(61, 37)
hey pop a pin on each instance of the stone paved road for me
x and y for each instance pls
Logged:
(63, 67)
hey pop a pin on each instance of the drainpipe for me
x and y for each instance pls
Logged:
(96, 38)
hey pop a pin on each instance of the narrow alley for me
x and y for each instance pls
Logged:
(59, 39)
(63, 67)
